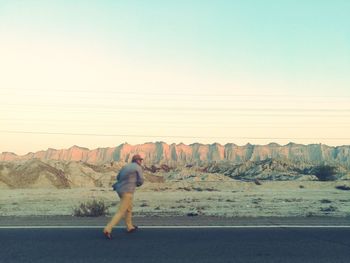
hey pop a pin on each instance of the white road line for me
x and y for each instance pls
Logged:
(175, 227)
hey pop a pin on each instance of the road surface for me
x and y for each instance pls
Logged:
(185, 245)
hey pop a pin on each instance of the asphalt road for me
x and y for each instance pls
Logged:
(176, 245)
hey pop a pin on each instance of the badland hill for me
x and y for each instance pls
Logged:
(181, 154)
(81, 167)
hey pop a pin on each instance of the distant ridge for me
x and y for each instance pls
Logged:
(171, 154)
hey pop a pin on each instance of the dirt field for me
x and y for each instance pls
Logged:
(226, 199)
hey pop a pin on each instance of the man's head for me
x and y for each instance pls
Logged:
(137, 159)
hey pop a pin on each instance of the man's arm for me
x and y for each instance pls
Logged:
(140, 178)
(118, 176)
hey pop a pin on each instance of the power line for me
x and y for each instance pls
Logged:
(167, 122)
(174, 124)
(172, 136)
(300, 115)
(179, 108)
(197, 94)
(174, 111)
(88, 123)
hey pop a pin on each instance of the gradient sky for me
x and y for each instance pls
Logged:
(101, 73)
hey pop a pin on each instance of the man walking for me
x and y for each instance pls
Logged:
(129, 177)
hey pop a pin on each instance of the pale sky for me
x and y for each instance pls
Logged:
(101, 73)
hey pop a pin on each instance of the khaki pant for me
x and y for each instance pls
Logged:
(124, 211)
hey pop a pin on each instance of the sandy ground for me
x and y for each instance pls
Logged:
(223, 199)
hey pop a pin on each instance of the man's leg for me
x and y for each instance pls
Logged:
(128, 217)
(125, 201)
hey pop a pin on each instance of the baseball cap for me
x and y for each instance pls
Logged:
(136, 157)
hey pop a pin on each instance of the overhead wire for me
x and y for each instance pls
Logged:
(98, 109)
(167, 136)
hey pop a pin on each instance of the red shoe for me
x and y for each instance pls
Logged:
(132, 229)
(107, 234)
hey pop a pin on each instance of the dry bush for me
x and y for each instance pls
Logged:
(91, 209)
(343, 187)
(329, 209)
(325, 172)
(257, 182)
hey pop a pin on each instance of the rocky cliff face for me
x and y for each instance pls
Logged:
(75, 153)
(181, 154)
(35, 173)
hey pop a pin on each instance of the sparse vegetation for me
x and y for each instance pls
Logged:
(211, 190)
(160, 189)
(257, 182)
(91, 209)
(192, 214)
(184, 188)
(343, 187)
(309, 214)
(325, 172)
(329, 209)
(293, 200)
(256, 200)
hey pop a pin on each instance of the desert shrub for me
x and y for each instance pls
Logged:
(329, 209)
(165, 168)
(211, 190)
(292, 200)
(91, 209)
(184, 188)
(325, 201)
(325, 172)
(343, 187)
(193, 213)
(310, 214)
(257, 182)
(256, 201)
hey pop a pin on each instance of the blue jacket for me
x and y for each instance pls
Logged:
(129, 177)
